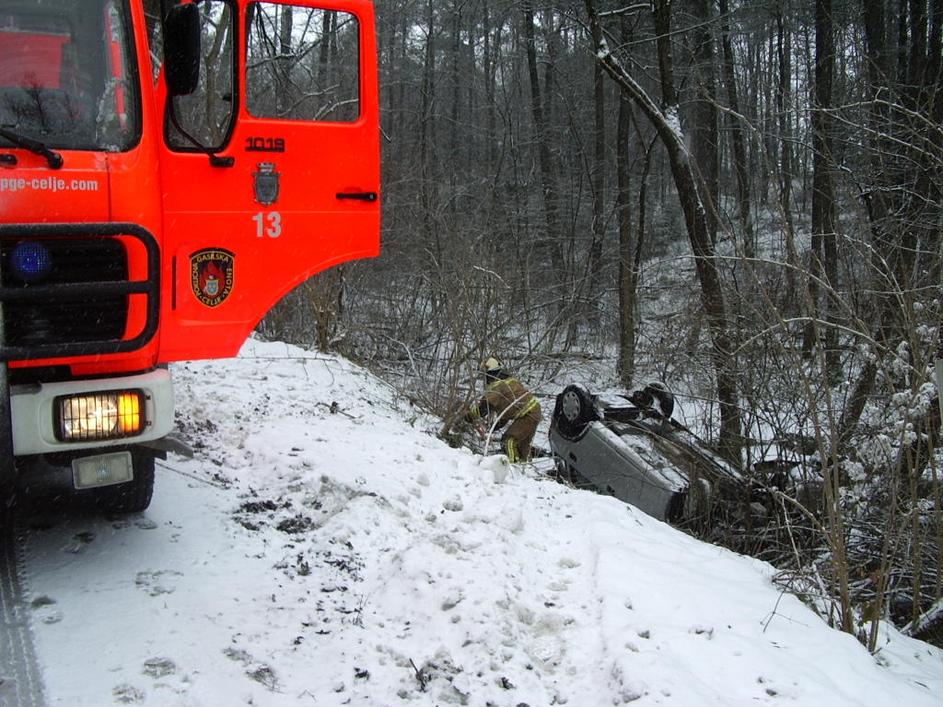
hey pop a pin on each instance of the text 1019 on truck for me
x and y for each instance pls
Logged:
(168, 172)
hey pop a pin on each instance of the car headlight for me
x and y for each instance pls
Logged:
(99, 416)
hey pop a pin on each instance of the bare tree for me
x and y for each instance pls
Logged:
(666, 123)
(737, 139)
(551, 199)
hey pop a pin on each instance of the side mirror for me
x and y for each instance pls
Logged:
(182, 49)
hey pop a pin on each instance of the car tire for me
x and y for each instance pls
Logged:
(665, 398)
(133, 496)
(574, 410)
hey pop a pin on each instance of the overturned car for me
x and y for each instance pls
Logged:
(632, 449)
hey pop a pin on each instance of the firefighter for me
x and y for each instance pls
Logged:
(509, 402)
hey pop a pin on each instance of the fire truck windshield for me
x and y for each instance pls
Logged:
(67, 74)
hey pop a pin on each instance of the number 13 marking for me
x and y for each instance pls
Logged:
(268, 224)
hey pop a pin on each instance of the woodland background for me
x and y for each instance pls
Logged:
(740, 198)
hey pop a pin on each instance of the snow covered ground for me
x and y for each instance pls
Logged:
(323, 548)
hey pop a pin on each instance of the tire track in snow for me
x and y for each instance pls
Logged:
(20, 677)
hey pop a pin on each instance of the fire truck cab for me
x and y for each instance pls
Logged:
(168, 172)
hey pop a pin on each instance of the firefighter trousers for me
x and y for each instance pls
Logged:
(519, 436)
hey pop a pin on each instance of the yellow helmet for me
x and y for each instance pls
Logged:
(491, 365)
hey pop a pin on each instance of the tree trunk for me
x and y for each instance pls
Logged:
(783, 92)
(283, 66)
(427, 138)
(489, 77)
(667, 125)
(455, 152)
(551, 201)
(703, 127)
(737, 141)
(627, 244)
(824, 265)
(824, 256)
(598, 180)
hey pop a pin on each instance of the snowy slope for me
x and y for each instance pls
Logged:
(311, 557)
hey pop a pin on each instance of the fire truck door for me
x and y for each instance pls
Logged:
(287, 103)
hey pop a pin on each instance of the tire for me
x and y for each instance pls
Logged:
(574, 410)
(666, 401)
(131, 497)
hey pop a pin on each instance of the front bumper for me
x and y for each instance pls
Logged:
(31, 408)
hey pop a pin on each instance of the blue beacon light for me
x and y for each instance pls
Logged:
(30, 260)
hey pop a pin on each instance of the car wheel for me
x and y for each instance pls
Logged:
(666, 401)
(574, 410)
(133, 496)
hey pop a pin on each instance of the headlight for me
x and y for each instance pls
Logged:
(99, 416)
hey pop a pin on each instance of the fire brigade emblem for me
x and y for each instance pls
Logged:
(266, 183)
(211, 275)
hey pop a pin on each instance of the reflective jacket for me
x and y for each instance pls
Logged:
(507, 399)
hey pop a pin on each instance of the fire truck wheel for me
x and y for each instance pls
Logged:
(133, 496)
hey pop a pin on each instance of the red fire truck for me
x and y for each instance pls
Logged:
(168, 172)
